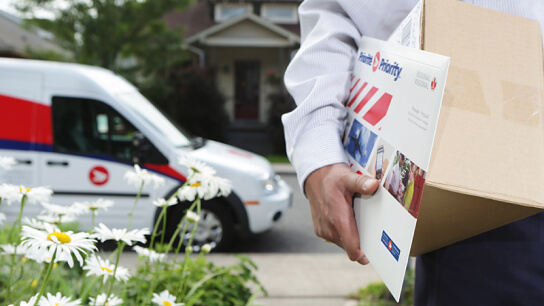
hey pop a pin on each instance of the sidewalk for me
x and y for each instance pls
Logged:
(299, 279)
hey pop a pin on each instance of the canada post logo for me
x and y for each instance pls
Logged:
(382, 64)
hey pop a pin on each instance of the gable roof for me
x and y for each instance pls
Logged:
(248, 30)
(14, 39)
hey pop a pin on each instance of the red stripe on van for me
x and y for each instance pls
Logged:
(26, 121)
(166, 170)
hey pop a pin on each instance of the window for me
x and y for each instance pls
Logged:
(280, 13)
(90, 127)
(224, 11)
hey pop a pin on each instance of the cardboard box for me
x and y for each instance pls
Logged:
(487, 163)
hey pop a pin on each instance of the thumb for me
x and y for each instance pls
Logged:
(363, 184)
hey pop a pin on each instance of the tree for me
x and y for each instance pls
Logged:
(100, 32)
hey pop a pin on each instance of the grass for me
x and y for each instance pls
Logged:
(278, 159)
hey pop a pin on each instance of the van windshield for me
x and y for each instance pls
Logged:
(147, 112)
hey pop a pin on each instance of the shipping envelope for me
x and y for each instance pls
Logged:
(487, 167)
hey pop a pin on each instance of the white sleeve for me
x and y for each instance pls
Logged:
(318, 79)
(319, 75)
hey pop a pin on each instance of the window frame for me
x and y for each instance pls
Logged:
(219, 7)
(267, 7)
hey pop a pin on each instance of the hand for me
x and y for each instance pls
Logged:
(330, 191)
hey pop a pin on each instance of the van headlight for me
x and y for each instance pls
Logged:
(270, 184)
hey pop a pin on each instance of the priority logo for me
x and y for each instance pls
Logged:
(99, 175)
(390, 245)
(433, 84)
(376, 62)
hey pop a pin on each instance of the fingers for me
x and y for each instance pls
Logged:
(330, 191)
(363, 184)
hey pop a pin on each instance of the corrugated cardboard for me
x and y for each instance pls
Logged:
(487, 165)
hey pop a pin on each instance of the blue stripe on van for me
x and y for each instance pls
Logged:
(24, 145)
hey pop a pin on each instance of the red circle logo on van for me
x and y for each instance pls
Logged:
(99, 175)
(390, 246)
(376, 62)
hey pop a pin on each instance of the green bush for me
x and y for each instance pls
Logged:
(189, 96)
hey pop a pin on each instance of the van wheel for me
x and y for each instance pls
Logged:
(215, 227)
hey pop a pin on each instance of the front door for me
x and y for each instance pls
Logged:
(246, 90)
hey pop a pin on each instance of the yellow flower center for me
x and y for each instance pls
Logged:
(197, 184)
(106, 269)
(166, 303)
(24, 190)
(34, 283)
(61, 237)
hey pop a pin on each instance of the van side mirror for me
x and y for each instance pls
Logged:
(143, 151)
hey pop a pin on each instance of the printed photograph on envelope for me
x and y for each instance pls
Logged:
(393, 107)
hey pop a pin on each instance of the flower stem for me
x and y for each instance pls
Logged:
(156, 227)
(46, 279)
(197, 202)
(120, 250)
(131, 215)
(12, 239)
(92, 221)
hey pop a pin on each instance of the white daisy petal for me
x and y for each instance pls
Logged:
(150, 254)
(102, 267)
(103, 233)
(101, 300)
(165, 298)
(52, 240)
(57, 300)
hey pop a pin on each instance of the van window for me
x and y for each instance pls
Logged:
(90, 127)
(155, 119)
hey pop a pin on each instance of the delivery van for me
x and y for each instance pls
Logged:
(78, 129)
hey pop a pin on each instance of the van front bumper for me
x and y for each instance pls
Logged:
(271, 209)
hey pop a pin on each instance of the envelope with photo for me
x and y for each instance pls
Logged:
(393, 108)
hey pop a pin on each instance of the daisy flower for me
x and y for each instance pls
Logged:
(150, 254)
(197, 186)
(140, 176)
(9, 249)
(30, 302)
(7, 162)
(103, 233)
(14, 193)
(94, 206)
(52, 239)
(218, 187)
(101, 300)
(33, 223)
(56, 219)
(206, 248)
(61, 210)
(196, 166)
(58, 300)
(164, 203)
(102, 267)
(40, 257)
(192, 216)
(165, 299)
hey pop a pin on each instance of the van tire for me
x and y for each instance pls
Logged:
(215, 218)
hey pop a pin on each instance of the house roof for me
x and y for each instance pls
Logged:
(247, 30)
(14, 39)
(199, 17)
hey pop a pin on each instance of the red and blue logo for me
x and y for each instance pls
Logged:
(390, 245)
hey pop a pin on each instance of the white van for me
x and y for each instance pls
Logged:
(72, 129)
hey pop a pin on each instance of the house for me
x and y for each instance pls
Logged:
(249, 44)
(16, 40)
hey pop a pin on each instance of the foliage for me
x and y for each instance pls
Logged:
(377, 294)
(281, 103)
(98, 32)
(190, 97)
(188, 278)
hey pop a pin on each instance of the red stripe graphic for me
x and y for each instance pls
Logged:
(354, 85)
(357, 94)
(25, 121)
(166, 170)
(378, 110)
(365, 100)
